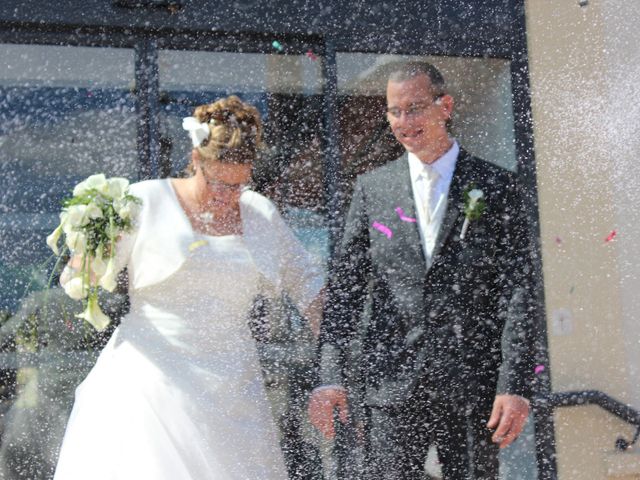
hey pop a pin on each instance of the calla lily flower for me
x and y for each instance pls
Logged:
(76, 288)
(77, 216)
(98, 182)
(52, 239)
(117, 187)
(126, 209)
(94, 211)
(98, 265)
(94, 315)
(76, 241)
(108, 279)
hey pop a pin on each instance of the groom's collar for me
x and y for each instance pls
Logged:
(445, 165)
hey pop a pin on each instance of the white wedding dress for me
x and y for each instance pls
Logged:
(177, 393)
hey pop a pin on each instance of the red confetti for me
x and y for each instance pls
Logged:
(539, 369)
(558, 241)
(403, 217)
(383, 228)
(611, 236)
(312, 55)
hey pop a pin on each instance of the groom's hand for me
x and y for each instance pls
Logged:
(508, 417)
(323, 402)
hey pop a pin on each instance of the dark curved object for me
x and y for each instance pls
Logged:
(596, 397)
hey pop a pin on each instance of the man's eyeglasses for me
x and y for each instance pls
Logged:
(415, 110)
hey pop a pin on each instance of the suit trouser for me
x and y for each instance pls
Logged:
(398, 440)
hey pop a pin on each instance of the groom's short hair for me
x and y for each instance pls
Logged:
(402, 71)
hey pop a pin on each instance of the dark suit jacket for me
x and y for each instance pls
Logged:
(463, 329)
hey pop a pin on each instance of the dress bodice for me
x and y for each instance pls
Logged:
(206, 302)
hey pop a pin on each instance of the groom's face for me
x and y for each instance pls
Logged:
(417, 116)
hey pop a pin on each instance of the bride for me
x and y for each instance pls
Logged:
(177, 392)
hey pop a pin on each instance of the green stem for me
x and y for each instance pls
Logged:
(56, 266)
(112, 237)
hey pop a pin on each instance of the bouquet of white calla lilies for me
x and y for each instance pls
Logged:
(100, 210)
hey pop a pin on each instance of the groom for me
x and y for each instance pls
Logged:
(440, 318)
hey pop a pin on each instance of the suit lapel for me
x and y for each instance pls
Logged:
(400, 258)
(407, 235)
(455, 204)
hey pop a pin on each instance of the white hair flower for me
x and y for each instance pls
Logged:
(198, 132)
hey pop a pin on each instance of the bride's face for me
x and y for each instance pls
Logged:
(222, 183)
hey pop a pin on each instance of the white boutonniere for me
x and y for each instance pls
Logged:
(99, 212)
(473, 207)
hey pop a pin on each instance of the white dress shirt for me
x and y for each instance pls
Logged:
(429, 225)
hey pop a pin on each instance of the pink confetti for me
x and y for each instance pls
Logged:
(611, 236)
(403, 217)
(539, 369)
(558, 241)
(312, 55)
(383, 228)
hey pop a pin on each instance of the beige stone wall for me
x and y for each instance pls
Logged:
(585, 124)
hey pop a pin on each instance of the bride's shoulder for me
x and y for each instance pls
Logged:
(150, 187)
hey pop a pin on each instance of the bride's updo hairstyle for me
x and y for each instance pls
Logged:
(235, 131)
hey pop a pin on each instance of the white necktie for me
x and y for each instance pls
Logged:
(430, 178)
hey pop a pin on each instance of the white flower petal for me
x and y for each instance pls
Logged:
(76, 241)
(76, 288)
(77, 216)
(93, 211)
(52, 239)
(98, 266)
(99, 182)
(118, 187)
(474, 196)
(108, 279)
(94, 315)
